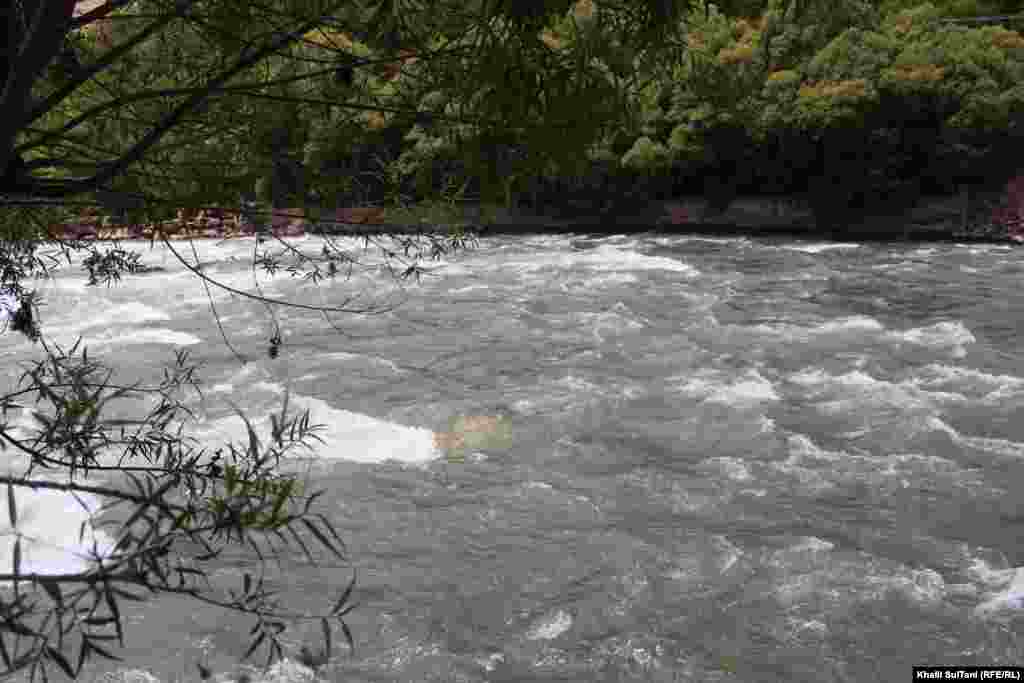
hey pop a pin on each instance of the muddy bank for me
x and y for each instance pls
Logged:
(933, 219)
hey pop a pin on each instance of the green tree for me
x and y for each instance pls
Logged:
(853, 108)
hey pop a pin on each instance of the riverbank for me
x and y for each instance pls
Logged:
(933, 219)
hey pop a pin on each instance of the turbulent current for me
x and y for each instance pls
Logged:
(718, 459)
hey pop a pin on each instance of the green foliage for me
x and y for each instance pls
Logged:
(825, 78)
(955, 8)
(854, 53)
(645, 154)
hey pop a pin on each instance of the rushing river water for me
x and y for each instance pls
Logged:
(729, 459)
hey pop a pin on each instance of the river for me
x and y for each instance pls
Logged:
(722, 459)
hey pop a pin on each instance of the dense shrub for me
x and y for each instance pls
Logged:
(868, 110)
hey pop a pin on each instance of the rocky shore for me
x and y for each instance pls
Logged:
(949, 219)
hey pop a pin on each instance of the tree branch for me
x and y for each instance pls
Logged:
(109, 58)
(28, 55)
(44, 188)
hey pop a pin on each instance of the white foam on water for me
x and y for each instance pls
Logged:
(753, 389)
(713, 387)
(899, 462)
(286, 670)
(105, 313)
(975, 250)
(802, 448)
(820, 247)
(551, 626)
(990, 388)
(469, 288)
(706, 559)
(923, 585)
(948, 336)
(814, 469)
(857, 323)
(143, 336)
(858, 390)
(731, 468)
(608, 257)
(603, 258)
(616, 279)
(375, 360)
(673, 241)
(815, 575)
(1008, 600)
(813, 626)
(985, 575)
(103, 322)
(48, 522)
(129, 676)
(808, 465)
(727, 553)
(490, 663)
(812, 544)
(851, 325)
(8, 306)
(564, 393)
(256, 373)
(346, 435)
(607, 322)
(1002, 447)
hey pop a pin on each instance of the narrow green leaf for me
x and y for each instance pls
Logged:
(38, 665)
(128, 596)
(139, 511)
(190, 570)
(12, 509)
(103, 653)
(20, 629)
(326, 628)
(343, 613)
(322, 538)
(139, 488)
(53, 591)
(115, 611)
(309, 501)
(348, 637)
(326, 522)
(212, 555)
(344, 596)
(274, 651)
(254, 441)
(56, 655)
(17, 561)
(302, 544)
(83, 653)
(255, 645)
(4, 653)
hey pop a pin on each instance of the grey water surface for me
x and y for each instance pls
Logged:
(730, 459)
